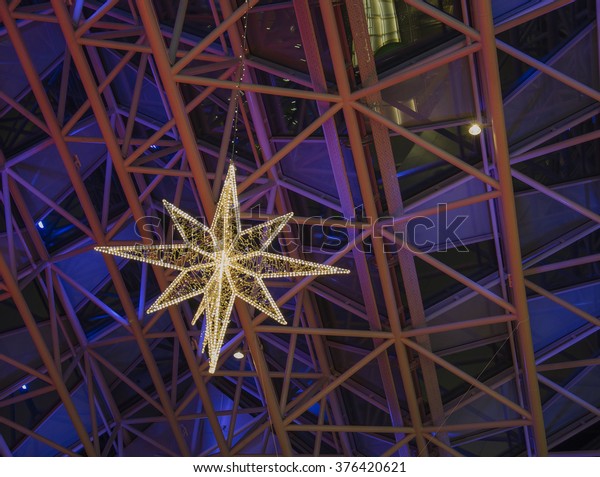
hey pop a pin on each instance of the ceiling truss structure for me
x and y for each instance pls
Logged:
(464, 374)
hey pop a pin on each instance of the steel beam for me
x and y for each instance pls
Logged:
(559, 301)
(160, 55)
(493, 99)
(333, 38)
(105, 126)
(44, 440)
(40, 344)
(387, 165)
(83, 342)
(332, 142)
(535, 12)
(278, 197)
(221, 28)
(569, 395)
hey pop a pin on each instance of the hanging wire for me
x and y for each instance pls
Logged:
(234, 141)
(239, 92)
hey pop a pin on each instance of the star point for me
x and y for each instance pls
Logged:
(221, 263)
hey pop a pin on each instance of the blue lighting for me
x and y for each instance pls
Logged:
(24, 387)
(40, 224)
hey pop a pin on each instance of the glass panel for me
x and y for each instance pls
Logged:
(543, 219)
(505, 8)
(543, 101)
(274, 35)
(399, 32)
(541, 38)
(418, 169)
(425, 99)
(287, 116)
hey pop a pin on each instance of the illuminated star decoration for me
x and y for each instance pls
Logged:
(221, 262)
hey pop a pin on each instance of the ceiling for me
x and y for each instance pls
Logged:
(468, 324)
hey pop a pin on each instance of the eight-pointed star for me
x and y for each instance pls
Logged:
(221, 262)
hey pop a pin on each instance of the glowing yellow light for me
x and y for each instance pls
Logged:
(474, 129)
(221, 262)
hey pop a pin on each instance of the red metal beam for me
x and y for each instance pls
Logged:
(493, 94)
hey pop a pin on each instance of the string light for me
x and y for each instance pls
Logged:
(221, 262)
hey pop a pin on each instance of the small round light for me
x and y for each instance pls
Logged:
(474, 129)
(239, 354)
(24, 387)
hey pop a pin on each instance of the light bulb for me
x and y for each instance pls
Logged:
(239, 354)
(221, 262)
(474, 129)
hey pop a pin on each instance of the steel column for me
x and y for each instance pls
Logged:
(493, 96)
(332, 142)
(343, 83)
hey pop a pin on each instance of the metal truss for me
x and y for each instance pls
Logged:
(140, 382)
